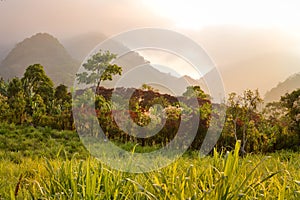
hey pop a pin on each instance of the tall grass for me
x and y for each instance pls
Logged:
(222, 176)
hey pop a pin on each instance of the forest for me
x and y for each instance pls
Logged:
(37, 124)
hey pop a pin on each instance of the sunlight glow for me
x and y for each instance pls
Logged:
(195, 14)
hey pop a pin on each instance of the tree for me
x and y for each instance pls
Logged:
(3, 87)
(17, 104)
(16, 101)
(146, 87)
(195, 91)
(242, 114)
(38, 109)
(61, 93)
(292, 103)
(99, 68)
(4, 108)
(35, 81)
(14, 87)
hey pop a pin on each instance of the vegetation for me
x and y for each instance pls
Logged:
(41, 155)
(44, 49)
(222, 176)
(100, 69)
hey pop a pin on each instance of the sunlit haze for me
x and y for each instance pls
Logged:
(235, 34)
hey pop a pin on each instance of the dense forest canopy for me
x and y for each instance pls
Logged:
(33, 100)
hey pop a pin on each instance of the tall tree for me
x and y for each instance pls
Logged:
(35, 81)
(14, 87)
(292, 103)
(241, 115)
(61, 93)
(99, 68)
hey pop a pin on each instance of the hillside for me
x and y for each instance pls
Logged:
(132, 75)
(61, 67)
(290, 84)
(80, 46)
(137, 71)
(261, 72)
(46, 50)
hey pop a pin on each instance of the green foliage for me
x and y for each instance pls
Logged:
(61, 93)
(31, 100)
(14, 87)
(146, 87)
(242, 117)
(292, 103)
(218, 177)
(35, 81)
(194, 91)
(100, 69)
(3, 87)
(27, 141)
(17, 105)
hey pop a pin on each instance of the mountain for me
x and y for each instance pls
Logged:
(136, 70)
(290, 84)
(261, 72)
(46, 50)
(61, 67)
(80, 46)
(4, 50)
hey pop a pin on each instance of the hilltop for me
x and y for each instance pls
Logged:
(290, 84)
(46, 50)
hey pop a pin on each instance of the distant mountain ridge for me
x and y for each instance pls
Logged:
(61, 67)
(46, 50)
(80, 46)
(290, 84)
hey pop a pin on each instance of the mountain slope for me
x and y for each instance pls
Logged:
(289, 85)
(80, 46)
(259, 72)
(136, 70)
(46, 50)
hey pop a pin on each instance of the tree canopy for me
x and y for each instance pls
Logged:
(99, 68)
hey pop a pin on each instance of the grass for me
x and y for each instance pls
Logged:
(222, 176)
(17, 142)
(41, 163)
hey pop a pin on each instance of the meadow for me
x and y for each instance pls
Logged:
(68, 172)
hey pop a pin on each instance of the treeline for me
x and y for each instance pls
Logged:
(262, 128)
(259, 128)
(33, 100)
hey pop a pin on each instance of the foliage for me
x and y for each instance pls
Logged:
(195, 91)
(190, 177)
(33, 100)
(36, 82)
(292, 103)
(17, 142)
(99, 68)
(242, 117)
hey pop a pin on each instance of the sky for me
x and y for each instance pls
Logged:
(230, 31)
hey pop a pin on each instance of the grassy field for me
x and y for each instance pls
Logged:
(221, 176)
(42, 163)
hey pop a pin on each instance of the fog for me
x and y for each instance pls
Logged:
(236, 42)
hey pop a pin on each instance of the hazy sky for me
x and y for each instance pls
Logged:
(251, 27)
(67, 17)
